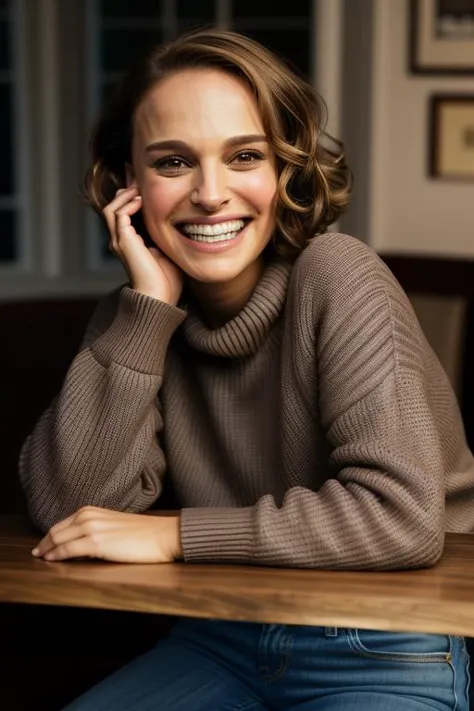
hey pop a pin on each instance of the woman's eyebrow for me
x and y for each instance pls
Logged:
(175, 145)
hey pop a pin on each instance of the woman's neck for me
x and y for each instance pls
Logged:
(221, 302)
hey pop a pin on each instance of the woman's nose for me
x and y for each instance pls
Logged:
(211, 190)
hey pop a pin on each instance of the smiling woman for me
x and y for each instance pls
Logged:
(206, 140)
(274, 372)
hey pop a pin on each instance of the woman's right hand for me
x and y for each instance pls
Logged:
(148, 270)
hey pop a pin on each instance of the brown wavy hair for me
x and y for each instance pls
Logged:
(314, 181)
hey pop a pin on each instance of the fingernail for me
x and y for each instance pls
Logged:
(137, 197)
(35, 551)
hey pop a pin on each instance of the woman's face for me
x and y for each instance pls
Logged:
(206, 173)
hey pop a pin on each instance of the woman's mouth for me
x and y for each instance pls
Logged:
(215, 237)
(220, 232)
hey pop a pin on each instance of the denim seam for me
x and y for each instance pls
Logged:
(358, 648)
(269, 678)
(453, 669)
(466, 658)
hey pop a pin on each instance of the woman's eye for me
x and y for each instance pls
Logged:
(170, 164)
(247, 157)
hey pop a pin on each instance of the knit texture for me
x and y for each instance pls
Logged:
(315, 429)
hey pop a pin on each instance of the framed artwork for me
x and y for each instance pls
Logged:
(451, 150)
(441, 36)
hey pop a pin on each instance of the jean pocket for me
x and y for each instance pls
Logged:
(399, 646)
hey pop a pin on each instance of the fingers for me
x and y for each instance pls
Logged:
(79, 524)
(123, 223)
(84, 547)
(57, 538)
(122, 197)
(118, 214)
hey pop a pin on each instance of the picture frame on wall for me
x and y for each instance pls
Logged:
(441, 37)
(451, 137)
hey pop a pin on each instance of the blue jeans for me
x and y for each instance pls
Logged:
(237, 666)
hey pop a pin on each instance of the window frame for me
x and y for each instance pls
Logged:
(20, 200)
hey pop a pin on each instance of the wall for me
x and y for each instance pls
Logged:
(408, 212)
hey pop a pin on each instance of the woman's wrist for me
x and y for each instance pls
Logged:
(169, 529)
(175, 537)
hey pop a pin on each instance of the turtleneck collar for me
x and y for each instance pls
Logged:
(245, 333)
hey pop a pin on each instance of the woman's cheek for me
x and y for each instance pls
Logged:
(162, 199)
(154, 208)
(260, 186)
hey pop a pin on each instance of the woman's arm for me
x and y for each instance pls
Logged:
(384, 508)
(97, 443)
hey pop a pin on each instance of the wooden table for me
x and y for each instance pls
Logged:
(438, 600)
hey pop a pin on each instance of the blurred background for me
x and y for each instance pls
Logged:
(398, 79)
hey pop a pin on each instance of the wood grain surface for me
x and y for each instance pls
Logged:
(438, 600)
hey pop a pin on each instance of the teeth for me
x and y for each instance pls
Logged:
(223, 228)
(216, 238)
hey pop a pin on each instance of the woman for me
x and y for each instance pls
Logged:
(301, 416)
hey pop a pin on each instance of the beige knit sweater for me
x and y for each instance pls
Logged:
(315, 429)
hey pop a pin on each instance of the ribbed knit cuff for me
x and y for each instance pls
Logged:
(218, 535)
(139, 336)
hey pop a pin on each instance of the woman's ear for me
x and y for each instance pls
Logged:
(130, 176)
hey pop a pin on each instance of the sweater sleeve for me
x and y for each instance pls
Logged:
(393, 428)
(97, 444)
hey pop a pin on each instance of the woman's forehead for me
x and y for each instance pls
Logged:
(204, 104)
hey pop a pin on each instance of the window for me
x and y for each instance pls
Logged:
(284, 28)
(10, 198)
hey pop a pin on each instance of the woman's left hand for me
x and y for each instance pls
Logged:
(94, 532)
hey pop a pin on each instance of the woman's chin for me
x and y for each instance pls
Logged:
(213, 275)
